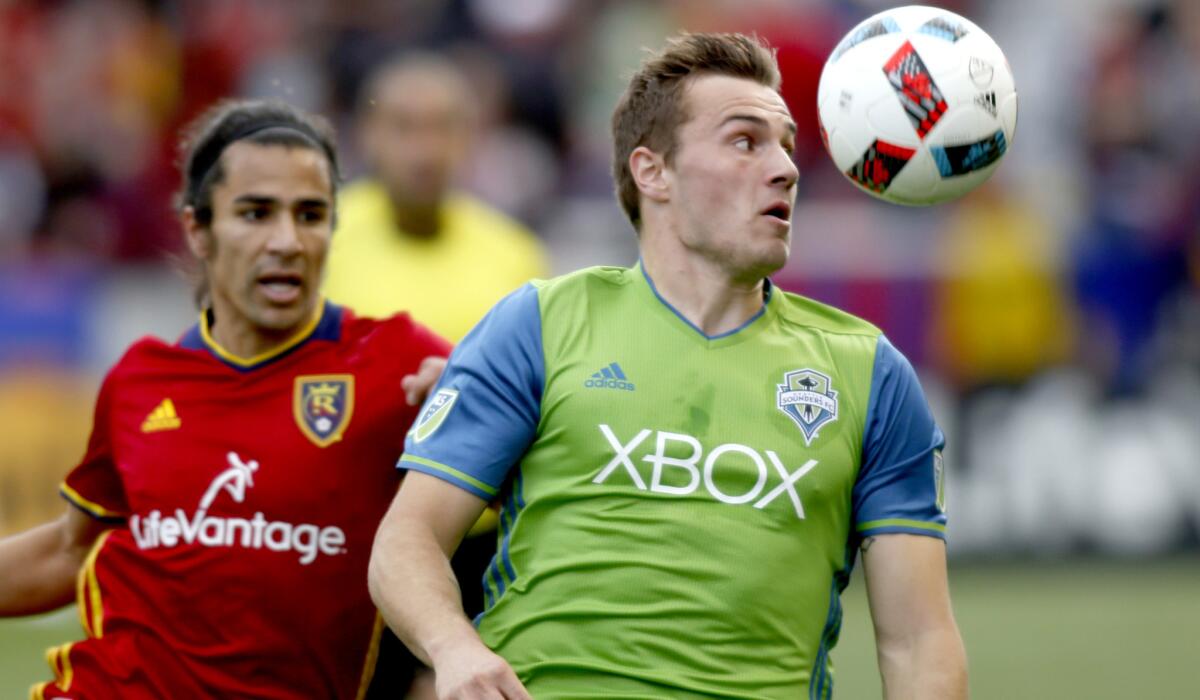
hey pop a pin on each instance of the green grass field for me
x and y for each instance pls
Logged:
(1090, 631)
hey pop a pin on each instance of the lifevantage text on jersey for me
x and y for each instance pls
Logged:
(729, 457)
(159, 530)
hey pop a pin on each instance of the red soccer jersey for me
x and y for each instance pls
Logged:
(246, 494)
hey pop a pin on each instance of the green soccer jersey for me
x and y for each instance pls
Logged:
(679, 512)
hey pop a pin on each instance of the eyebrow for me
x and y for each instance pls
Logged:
(260, 200)
(755, 119)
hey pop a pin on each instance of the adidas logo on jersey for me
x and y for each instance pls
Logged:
(610, 377)
(163, 417)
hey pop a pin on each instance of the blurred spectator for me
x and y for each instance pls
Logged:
(405, 239)
(1131, 257)
(1000, 314)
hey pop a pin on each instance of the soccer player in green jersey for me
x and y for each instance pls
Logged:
(688, 459)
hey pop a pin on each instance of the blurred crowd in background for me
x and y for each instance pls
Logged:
(1054, 315)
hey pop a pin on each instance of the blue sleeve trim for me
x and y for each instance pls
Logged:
(485, 410)
(901, 474)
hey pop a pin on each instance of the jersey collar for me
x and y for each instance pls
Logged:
(720, 339)
(324, 325)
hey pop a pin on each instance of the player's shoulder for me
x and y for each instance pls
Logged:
(151, 355)
(800, 311)
(574, 295)
(390, 336)
(355, 327)
(588, 280)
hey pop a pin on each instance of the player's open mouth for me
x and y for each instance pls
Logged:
(281, 287)
(779, 210)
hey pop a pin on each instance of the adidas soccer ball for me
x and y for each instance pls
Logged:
(917, 105)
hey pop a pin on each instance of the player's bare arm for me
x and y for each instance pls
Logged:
(415, 589)
(921, 655)
(40, 564)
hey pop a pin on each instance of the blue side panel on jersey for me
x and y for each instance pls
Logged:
(493, 585)
(820, 684)
(501, 573)
(896, 490)
(498, 371)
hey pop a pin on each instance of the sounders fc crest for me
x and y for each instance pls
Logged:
(807, 398)
(322, 404)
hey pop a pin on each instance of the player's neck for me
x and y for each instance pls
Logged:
(704, 293)
(242, 339)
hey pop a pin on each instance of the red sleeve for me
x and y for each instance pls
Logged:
(94, 485)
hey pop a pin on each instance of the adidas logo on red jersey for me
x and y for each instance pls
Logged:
(163, 417)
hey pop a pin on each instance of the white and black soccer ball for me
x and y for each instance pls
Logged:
(917, 105)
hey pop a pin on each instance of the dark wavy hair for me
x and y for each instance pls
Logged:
(262, 122)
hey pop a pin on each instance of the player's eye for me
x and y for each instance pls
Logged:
(744, 143)
(311, 216)
(254, 213)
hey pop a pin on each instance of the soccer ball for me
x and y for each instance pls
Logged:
(917, 105)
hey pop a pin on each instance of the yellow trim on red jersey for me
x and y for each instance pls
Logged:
(59, 659)
(87, 592)
(368, 672)
(37, 691)
(81, 601)
(95, 509)
(288, 344)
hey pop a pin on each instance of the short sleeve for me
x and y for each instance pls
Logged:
(94, 485)
(899, 487)
(484, 412)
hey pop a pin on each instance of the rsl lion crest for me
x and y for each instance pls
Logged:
(323, 404)
(808, 399)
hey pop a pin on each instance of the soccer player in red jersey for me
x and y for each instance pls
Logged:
(223, 514)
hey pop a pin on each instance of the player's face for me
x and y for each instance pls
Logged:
(733, 181)
(266, 246)
(415, 136)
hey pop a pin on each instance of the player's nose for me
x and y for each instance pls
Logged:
(783, 171)
(284, 237)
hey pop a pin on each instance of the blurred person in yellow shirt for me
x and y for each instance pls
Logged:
(406, 239)
(1002, 313)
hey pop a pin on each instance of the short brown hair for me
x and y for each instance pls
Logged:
(651, 110)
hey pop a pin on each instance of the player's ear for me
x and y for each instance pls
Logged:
(198, 237)
(649, 173)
